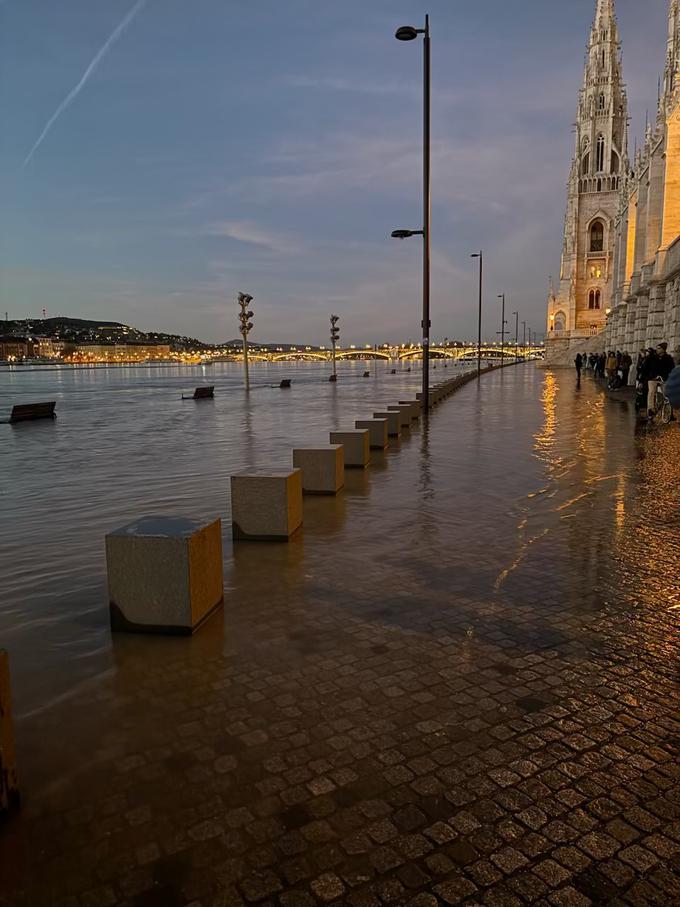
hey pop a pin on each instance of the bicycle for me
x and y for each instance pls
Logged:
(662, 405)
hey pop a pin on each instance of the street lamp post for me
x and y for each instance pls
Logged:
(335, 336)
(409, 33)
(244, 317)
(516, 314)
(480, 256)
(503, 323)
(524, 338)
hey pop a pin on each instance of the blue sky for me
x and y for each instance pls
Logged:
(272, 147)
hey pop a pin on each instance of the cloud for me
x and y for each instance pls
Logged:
(94, 63)
(252, 235)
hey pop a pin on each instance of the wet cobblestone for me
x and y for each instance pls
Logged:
(458, 685)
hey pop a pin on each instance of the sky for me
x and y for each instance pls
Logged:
(158, 156)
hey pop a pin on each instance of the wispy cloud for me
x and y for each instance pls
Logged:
(75, 91)
(252, 235)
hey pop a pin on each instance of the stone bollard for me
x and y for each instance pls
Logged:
(414, 406)
(9, 789)
(393, 422)
(377, 432)
(404, 414)
(266, 507)
(357, 447)
(323, 468)
(164, 574)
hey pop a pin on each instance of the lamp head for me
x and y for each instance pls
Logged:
(401, 234)
(406, 33)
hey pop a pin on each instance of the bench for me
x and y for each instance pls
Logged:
(26, 412)
(202, 393)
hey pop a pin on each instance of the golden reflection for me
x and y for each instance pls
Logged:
(545, 438)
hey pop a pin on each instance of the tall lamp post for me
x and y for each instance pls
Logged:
(480, 256)
(244, 317)
(516, 314)
(409, 33)
(335, 336)
(524, 338)
(501, 296)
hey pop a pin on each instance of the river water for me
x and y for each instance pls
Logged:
(125, 444)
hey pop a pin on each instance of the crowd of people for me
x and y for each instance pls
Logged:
(653, 364)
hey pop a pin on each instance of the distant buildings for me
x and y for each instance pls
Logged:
(116, 352)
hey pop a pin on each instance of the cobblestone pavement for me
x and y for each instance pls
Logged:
(457, 685)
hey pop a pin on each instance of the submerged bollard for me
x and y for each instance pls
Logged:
(356, 447)
(164, 574)
(377, 432)
(323, 468)
(266, 507)
(9, 788)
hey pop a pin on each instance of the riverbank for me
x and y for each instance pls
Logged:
(457, 680)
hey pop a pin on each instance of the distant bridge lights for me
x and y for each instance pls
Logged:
(246, 326)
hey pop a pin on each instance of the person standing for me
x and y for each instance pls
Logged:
(649, 372)
(578, 362)
(626, 365)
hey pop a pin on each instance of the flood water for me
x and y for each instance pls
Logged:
(125, 444)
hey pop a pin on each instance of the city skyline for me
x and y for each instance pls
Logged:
(154, 165)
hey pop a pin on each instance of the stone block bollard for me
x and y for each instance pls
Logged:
(9, 788)
(164, 574)
(377, 432)
(323, 468)
(356, 445)
(393, 422)
(266, 507)
(414, 406)
(404, 414)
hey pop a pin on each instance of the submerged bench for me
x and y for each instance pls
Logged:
(202, 393)
(26, 412)
(164, 574)
(9, 790)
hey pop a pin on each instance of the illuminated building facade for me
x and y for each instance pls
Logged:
(599, 166)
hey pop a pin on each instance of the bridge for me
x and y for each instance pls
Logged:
(389, 354)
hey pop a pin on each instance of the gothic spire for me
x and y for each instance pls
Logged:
(672, 69)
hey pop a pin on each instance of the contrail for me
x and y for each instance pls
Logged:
(73, 94)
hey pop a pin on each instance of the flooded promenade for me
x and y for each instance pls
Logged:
(458, 682)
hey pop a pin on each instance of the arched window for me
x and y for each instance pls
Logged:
(585, 158)
(560, 322)
(591, 299)
(599, 160)
(597, 237)
(598, 299)
(601, 102)
(615, 162)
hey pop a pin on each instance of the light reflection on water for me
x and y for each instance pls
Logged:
(125, 444)
(521, 486)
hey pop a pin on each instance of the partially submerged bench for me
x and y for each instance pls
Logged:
(206, 392)
(27, 412)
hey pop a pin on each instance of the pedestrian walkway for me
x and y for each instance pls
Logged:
(456, 685)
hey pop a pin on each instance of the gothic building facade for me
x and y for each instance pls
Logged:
(620, 281)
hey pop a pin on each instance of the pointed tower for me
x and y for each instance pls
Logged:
(671, 78)
(599, 165)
